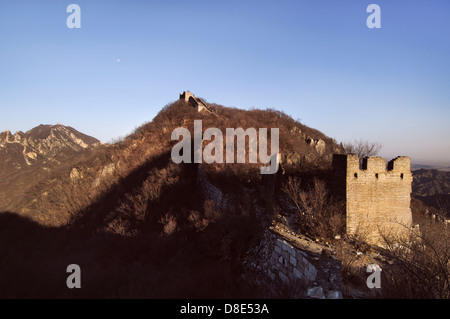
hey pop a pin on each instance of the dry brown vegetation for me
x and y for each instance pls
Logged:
(138, 225)
(318, 214)
(420, 266)
(412, 268)
(135, 221)
(60, 198)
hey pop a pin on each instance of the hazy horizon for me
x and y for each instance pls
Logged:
(316, 61)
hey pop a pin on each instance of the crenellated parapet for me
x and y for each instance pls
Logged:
(375, 168)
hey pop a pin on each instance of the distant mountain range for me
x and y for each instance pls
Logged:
(429, 182)
(445, 168)
(43, 142)
(432, 187)
(27, 158)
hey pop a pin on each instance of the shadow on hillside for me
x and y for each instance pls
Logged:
(186, 264)
(34, 259)
(96, 215)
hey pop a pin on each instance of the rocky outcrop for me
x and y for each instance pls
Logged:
(318, 144)
(76, 175)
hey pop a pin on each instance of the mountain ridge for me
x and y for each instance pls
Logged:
(88, 168)
(41, 139)
(27, 158)
(429, 182)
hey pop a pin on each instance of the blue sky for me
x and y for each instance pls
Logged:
(315, 60)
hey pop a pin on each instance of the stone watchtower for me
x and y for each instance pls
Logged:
(196, 102)
(377, 197)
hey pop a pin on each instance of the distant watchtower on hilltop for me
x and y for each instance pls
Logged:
(377, 197)
(196, 102)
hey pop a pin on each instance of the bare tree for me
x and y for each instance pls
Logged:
(318, 214)
(419, 267)
(363, 148)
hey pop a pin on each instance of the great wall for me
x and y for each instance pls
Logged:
(377, 197)
(196, 102)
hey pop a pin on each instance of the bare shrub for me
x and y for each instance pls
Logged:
(360, 237)
(119, 226)
(420, 267)
(342, 248)
(318, 213)
(363, 148)
(150, 189)
(292, 189)
(345, 253)
(211, 211)
(169, 223)
(200, 223)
